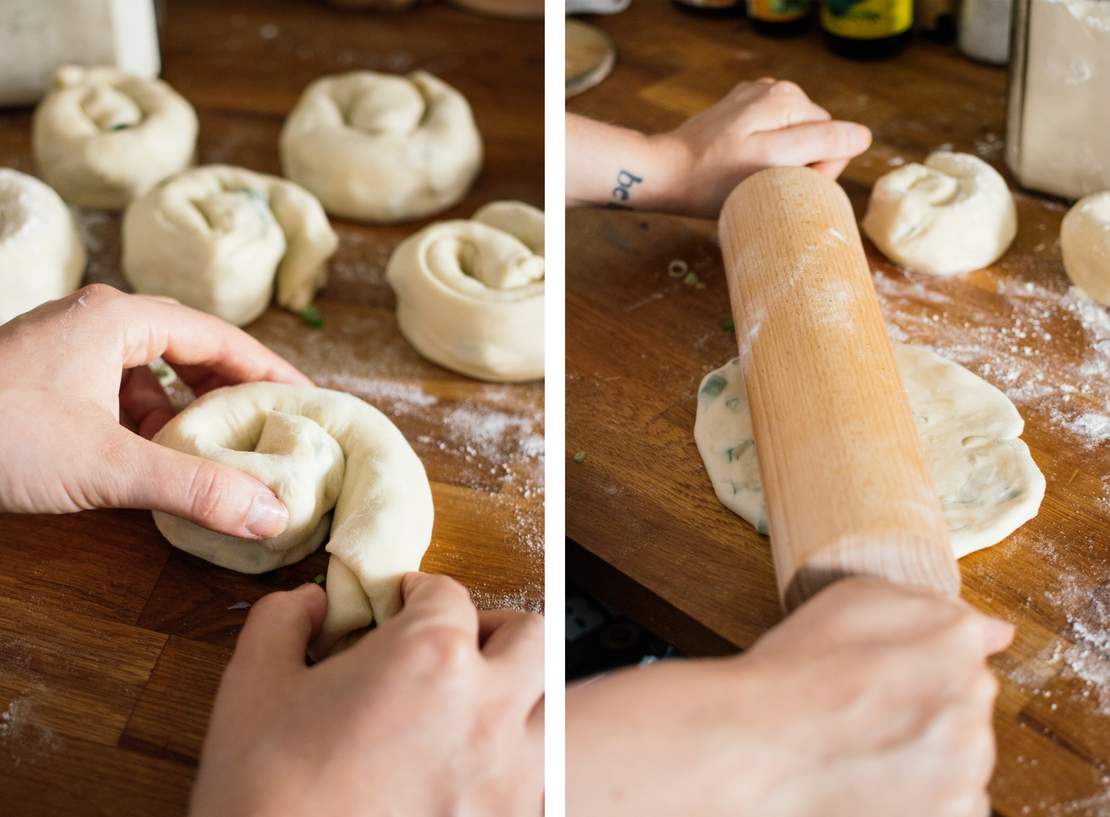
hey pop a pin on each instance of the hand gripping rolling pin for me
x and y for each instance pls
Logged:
(846, 488)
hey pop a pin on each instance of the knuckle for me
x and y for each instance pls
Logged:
(438, 646)
(206, 492)
(784, 87)
(96, 294)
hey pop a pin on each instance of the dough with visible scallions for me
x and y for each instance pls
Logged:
(103, 137)
(984, 475)
(470, 292)
(220, 238)
(344, 472)
(41, 254)
(380, 147)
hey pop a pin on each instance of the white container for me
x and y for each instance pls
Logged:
(1058, 113)
(37, 36)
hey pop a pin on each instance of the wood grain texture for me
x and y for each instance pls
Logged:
(825, 392)
(639, 342)
(112, 643)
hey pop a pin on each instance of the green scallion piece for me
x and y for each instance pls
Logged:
(579, 456)
(311, 315)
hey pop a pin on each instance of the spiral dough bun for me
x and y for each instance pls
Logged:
(216, 238)
(102, 137)
(344, 472)
(41, 254)
(470, 293)
(950, 215)
(379, 147)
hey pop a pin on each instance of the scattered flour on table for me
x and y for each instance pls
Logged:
(1008, 348)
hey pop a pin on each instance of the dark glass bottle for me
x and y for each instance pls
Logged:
(711, 8)
(867, 29)
(779, 18)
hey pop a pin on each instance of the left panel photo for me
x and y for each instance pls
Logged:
(272, 295)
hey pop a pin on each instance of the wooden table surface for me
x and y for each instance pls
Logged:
(111, 642)
(652, 538)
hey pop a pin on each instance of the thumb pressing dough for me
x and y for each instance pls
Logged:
(470, 293)
(1085, 244)
(379, 147)
(216, 237)
(336, 463)
(102, 137)
(985, 477)
(41, 254)
(951, 215)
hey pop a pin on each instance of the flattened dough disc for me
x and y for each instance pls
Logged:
(986, 478)
(591, 56)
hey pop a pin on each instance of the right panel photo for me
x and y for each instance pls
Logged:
(838, 481)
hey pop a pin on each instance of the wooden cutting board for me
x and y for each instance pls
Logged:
(111, 642)
(651, 536)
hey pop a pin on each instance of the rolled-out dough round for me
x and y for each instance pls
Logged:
(984, 475)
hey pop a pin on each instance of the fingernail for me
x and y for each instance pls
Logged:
(998, 633)
(267, 516)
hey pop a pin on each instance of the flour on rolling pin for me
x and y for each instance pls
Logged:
(36, 37)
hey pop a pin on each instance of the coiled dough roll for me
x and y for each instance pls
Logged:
(470, 293)
(379, 147)
(41, 254)
(215, 237)
(102, 137)
(324, 454)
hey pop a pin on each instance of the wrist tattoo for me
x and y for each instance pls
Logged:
(625, 182)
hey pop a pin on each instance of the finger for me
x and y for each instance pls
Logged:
(201, 379)
(832, 169)
(490, 621)
(813, 142)
(185, 336)
(430, 601)
(144, 400)
(997, 634)
(515, 646)
(279, 628)
(215, 496)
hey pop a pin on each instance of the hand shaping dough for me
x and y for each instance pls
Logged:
(379, 147)
(951, 215)
(102, 137)
(41, 255)
(318, 450)
(214, 238)
(470, 293)
(984, 475)
(1085, 244)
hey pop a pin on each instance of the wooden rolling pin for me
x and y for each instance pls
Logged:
(846, 488)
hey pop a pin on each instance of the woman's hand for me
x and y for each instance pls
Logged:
(692, 169)
(438, 711)
(870, 699)
(72, 367)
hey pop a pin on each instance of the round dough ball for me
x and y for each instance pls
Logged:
(337, 464)
(951, 215)
(984, 475)
(470, 293)
(215, 238)
(1085, 244)
(103, 137)
(41, 254)
(378, 147)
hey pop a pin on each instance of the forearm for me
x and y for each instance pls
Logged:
(613, 166)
